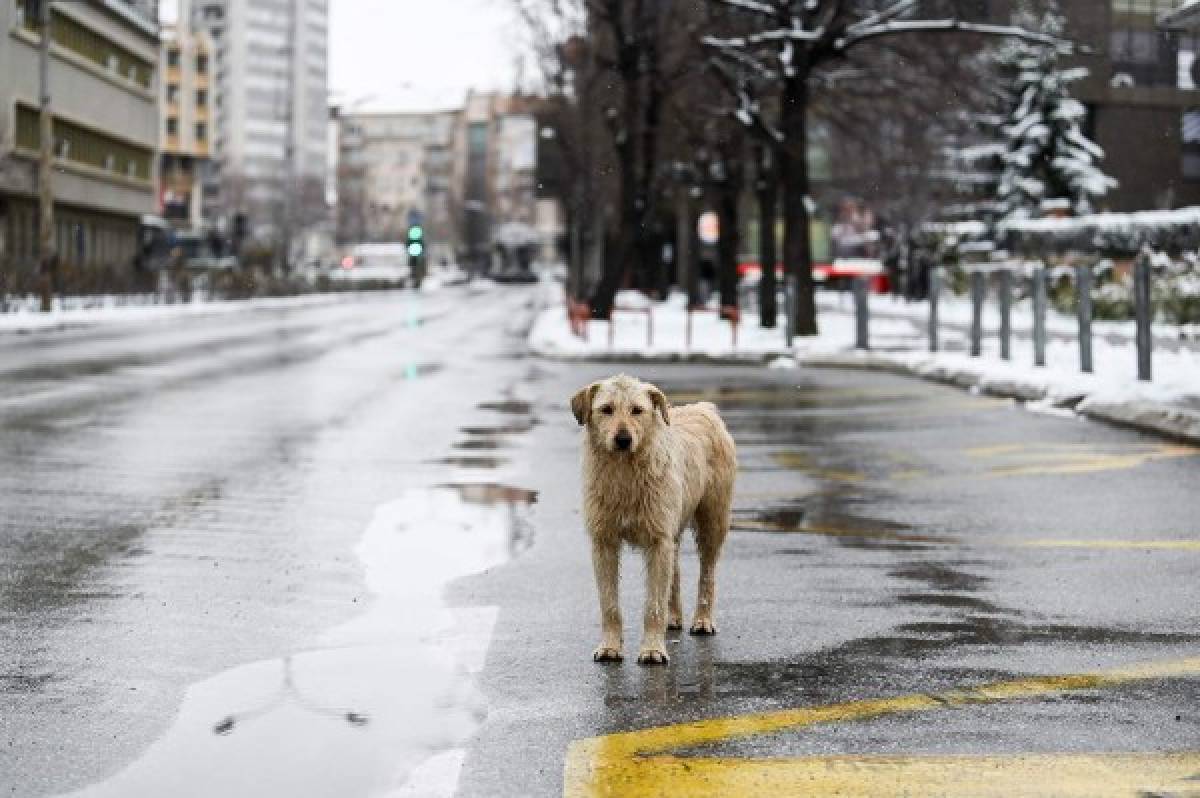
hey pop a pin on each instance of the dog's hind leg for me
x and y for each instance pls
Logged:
(660, 559)
(606, 558)
(712, 525)
(675, 611)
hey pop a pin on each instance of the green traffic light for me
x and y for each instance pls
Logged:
(415, 249)
(415, 233)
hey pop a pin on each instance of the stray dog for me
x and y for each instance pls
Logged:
(649, 470)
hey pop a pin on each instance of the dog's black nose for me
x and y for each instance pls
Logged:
(623, 440)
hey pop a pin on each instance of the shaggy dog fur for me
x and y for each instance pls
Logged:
(650, 470)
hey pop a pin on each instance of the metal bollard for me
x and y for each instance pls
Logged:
(1039, 316)
(1083, 288)
(978, 289)
(789, 304)
(861, 314)
(1144, 315)
(935, 290)
(1005, 288)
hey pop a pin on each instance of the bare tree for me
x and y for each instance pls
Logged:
(793, 52)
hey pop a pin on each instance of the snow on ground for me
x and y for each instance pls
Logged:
(644, 328)
(22, 315)
(117, 310)
(1171, 403)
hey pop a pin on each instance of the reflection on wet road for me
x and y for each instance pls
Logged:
(381, 695)
(224, 547)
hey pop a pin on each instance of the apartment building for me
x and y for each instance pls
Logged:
(104, 89)
(186, 103)
(271, 116)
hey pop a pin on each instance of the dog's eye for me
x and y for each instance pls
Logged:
(637, 411)
(607, 410)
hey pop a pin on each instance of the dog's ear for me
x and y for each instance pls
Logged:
(581, 403)
(660, 403)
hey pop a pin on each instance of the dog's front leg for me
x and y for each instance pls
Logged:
(660, 561)
(606, 558)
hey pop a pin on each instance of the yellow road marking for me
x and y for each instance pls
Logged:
(1180, 545)
(1057, 775)
(631, 764)
(1046, 458)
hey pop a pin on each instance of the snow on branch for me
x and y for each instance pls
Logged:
(751, 6)
(796, 33)
(879, 17)
(748, 112)
(893, 28)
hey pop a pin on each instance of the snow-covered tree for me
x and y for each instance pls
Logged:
(1046, 155)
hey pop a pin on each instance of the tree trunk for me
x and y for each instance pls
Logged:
(793, 172)
(767, 256)
(727, 244)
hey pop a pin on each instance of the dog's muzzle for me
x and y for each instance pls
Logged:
(622, 441)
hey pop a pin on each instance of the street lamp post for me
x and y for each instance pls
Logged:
(46, 254)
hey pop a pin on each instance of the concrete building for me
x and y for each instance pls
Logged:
(186, 103)
(271, 87)
(103, 84)
(495, 165)
(394, 168)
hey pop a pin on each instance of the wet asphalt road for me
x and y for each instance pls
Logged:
(892, 538)
(190, 509)
(183, 499)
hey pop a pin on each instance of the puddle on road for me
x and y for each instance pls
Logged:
(514, 407)
(471, 461)
(802, 518)
(481, 444)
(385, 702)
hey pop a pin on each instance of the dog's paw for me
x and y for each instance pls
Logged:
(703, 626)
(675, 624)
(652, 655)
(606, 654)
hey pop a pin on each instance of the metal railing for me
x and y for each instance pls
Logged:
(1005, 274)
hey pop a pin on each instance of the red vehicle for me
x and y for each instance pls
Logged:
(836, 275)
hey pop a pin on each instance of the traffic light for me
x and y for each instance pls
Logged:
(416, 253)
(416, 241)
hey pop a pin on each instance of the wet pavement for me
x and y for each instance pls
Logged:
(224, 544)
(338, 551)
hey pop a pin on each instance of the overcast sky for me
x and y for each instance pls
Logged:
(416, 54)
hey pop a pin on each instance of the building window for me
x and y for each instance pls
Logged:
(84, 146)
(201, 97)
(172, 126)
(90, 44)
(172, 93)
(202, 64)
(173, 57)
(201, 132)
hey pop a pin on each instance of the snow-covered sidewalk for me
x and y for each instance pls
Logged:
(1168, 405)
(648, 330)
(23, 315)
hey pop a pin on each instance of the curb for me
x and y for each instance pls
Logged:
(748, 359)
(1170, 421)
